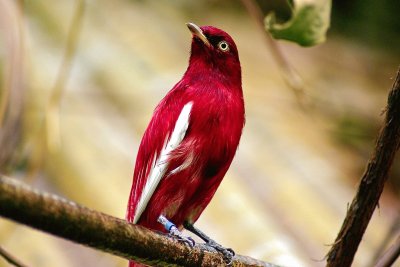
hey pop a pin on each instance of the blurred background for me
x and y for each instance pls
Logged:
(79, 81)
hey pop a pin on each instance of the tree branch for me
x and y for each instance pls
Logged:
(371, 185)
(69, 220)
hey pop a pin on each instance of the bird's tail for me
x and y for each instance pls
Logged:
(135, 264)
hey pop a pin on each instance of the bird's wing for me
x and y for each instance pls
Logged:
(157, 165)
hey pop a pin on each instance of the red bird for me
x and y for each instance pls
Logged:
(191, 140)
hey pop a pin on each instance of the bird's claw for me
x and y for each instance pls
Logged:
(227, 253)
(175, 233)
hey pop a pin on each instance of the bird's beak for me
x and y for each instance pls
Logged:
(196, 31)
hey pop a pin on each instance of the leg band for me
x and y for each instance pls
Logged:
(167, 224)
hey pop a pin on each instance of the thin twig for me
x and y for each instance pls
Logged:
(391, 255)
(52, 110)
(63, 218)
(371, 185)
(394, 228)
(10, 258)
(48, 138)
(290, 75)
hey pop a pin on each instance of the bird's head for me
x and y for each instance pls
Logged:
(214, 50)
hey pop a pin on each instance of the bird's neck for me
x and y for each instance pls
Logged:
(207, 71)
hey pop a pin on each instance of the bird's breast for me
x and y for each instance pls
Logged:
(216, 126)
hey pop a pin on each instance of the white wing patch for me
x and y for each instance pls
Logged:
(160, 166)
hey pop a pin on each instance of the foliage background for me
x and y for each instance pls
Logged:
(285, 195)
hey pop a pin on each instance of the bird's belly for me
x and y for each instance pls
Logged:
(185, 192)
(182, 196)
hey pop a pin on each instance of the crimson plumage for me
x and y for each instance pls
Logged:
(192, 170)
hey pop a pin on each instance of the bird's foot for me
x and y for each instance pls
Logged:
(227, 253)
(174, 232)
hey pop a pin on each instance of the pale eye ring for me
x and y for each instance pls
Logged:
(223, 46)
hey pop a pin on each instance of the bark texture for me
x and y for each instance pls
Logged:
(66, 219)
(371, 185)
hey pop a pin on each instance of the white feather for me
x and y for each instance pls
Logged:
(161, 164)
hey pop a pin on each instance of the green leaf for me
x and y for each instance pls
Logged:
(308, 25)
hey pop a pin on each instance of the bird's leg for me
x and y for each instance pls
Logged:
(174, 231)
(228, 253)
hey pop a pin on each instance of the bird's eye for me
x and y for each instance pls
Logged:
(223, 46)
